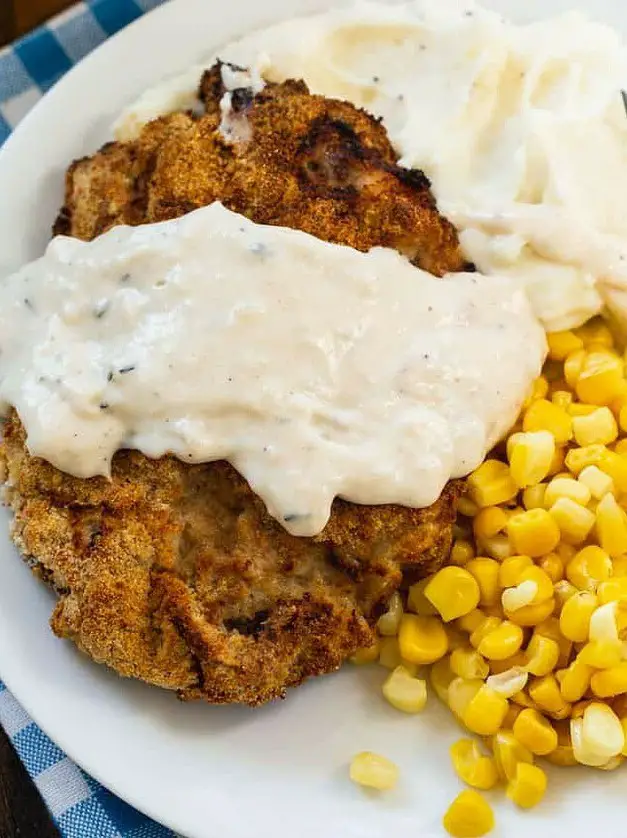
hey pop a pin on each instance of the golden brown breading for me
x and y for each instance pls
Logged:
(177, 575)
(314, 164)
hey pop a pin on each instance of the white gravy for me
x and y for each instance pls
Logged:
(316, 370)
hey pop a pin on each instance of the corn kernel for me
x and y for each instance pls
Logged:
(614, 590)
(621, 445)
(534, 533)
(611, 526)
(598, 427)
(440, 676)
(454, 591)
(619, 566)
(467, 507)
(597, 481)
(533, 496)
(543, 583)
(510, 717)
(563, 755)
(486, 573)
(542, 415)
(538, 390)
(562, 344)
(508, 753)
(574, 681)
(468, 816)
(573, 365)
(488, 625)
(368, 654)
(497, 547)
(470, 622)
(530, 456)
(578, 409)
(598, 736)
(590, 566)
(557, 464)
(503, 642)
(404, 692)
(422, 639)
(491, 484)
(560, 396)
(460, 693)
(528, 786)
(576, 614)
(563, 591)
(545, 693)
(488, 522)
(610, 682)
(534, 732)
(456, 639)
(389, 653)
(604, 623)
(553, 566)
(373, 771)
(542, 655)
(511, 570)
(469, 664)
(622, 418)
(532, 615)
(577, 459)
(566, 487)
(388, 623)
(472, 766)
(498, 667)
(600, 379)
(417, 601)
(508, 683)
(601, 654)
(485, 711)
(574, 521)
(595, 331)
(615, 466)
(520, 596)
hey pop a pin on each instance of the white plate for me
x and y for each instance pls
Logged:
(212, 772)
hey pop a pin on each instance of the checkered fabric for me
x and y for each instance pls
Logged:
(80, 806)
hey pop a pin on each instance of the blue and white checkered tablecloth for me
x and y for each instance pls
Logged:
(80, 806)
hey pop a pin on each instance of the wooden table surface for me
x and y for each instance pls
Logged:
(22, 812)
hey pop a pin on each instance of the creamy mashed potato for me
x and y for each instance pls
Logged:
(521, 129)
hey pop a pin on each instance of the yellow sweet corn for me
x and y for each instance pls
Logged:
(566, 487)
(577, 459)
(469, 664)
(388, 623)
(473, 767)
(574, 521)
(621, 446)
(600, 379)
(613, 590)
(538, 390)
(534, 532)
(601, 654)
(534, 732)
(576, 614)
(512, 714)
(484, 628)
(491, 484)
(469, 816)
(542, 655)
(598, 427)
(545, 693)
(488, 522)
(486, 573)
(595, 332)
(533, 496)
(508, 752)
(563, 344)
(573, 365)
(589, 567)
(467, 507)
(543, 415)
(460, 693)
(528, 786)
(553, 566)
(497, 547)
(530, 456)
(440, 677)
(598, 482)
(369, 654)
(503, 642)
(563, 591)
(417, 601)
(574, 681)
(374, 771)
(619, 566)
(404, 692)
(562, 398)
(390, 654)
(532, 615)
(517, 660)
(611, 526)
(598, 736)
(485, 711)
(520, 596)
(511, 570)
(422, 640)
(508, 683)
(455, 591)
(615, 466)
(470, 622)
(563, 755)
(610, 682)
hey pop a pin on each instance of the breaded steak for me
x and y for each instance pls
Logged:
(176, 574)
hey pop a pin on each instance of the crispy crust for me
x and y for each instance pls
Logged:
(177, 575)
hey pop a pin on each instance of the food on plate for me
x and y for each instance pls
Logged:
(182, 573)
(533, 601)
(306, 162)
